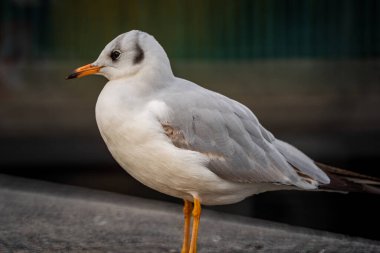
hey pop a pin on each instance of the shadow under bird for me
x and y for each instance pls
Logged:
(192, 143)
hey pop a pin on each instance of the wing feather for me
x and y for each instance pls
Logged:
(239, 148)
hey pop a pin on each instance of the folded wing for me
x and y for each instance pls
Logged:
(238, 147)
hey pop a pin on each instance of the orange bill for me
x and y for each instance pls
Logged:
(84, 71)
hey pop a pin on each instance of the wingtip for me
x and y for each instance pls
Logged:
(371, 189)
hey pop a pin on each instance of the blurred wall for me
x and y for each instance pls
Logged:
(195, 29)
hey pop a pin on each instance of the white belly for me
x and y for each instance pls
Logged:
(136, 140)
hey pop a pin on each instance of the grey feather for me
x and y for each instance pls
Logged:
(299, 160)
(242, 150)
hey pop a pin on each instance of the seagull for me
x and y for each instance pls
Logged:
(192, 143)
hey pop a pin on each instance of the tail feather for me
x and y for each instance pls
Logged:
(349, 181)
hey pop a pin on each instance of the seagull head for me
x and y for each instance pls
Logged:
(128, 55)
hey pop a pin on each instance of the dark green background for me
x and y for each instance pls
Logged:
(204, 29)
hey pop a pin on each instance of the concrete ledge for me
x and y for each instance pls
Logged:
(39, 216)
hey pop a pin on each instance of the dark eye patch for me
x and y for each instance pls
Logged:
(115, 55)
(139, 57)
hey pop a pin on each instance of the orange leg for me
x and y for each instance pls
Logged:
(196, 218)
(186, 230)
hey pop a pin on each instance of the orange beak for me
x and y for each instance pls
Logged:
(84, 71)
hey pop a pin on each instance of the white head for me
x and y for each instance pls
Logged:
(129, 54)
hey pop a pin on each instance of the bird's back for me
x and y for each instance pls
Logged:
(240, 149)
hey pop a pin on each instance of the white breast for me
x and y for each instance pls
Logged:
(135, 138)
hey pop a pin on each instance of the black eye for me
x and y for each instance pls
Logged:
(115, 55)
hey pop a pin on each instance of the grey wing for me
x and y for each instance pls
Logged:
(238, 147)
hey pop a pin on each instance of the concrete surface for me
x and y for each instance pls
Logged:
(37, 216)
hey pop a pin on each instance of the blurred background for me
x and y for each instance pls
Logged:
(309, 69)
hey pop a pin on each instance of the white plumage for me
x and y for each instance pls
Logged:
(142, 96)
(186, 141)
